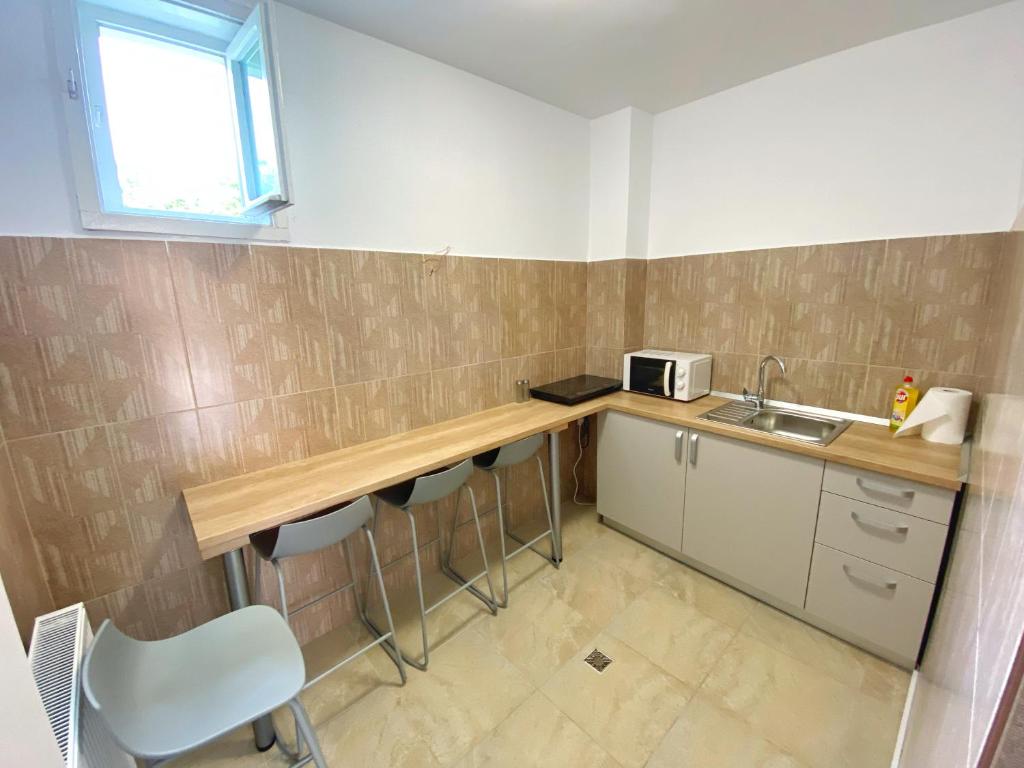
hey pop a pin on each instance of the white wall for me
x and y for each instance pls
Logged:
(24, 730)
(620, 184)
(917, 134)
(389, 150)
(609, 186)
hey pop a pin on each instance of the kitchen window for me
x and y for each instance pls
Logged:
(174, 118)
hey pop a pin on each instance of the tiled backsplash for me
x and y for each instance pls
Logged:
(974, 641)
(849, 319)
(133, 369)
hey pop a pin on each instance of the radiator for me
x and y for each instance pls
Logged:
(56, 654)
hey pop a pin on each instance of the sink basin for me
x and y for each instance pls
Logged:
(806, 427)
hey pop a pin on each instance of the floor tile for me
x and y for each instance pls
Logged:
(801, 709)
(620, 551)
(443, 622)
(705, 736)
(627, 709)
(467, 691)
(674, 635)
(538, 735)
(842, 661)
(538, 632)
(580, 526)
(386, 729)
(707, 595)
(594, 587)
(329, 696)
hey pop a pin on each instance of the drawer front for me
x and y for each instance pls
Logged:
(901, 542)
(917, 499)
(880, 605)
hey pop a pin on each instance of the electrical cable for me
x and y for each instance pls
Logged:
(575, 477)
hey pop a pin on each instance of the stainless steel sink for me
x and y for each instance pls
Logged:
(806, 427)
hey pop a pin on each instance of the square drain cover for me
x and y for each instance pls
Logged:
(598, 660)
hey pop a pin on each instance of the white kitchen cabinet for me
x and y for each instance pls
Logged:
(641, 476)
(751, 512)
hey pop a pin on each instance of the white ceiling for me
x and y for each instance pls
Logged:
(593, 57)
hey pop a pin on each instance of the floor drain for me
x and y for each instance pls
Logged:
(598, 660)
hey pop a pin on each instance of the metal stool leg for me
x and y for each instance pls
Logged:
(503, 603)
(419, 594)
(303, 726)
(469, 583)
(493, 604)
(391, 649)
(551, 525)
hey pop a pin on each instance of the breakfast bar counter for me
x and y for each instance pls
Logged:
(224, 513)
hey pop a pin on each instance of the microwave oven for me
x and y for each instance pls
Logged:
(675, 375)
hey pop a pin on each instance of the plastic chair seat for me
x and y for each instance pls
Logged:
(166, 697)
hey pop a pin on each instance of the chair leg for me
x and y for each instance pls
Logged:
(396, 654)
(422, 665)
(303, 726)
(257, 585)
(503, 603)
(449, 570)
(493, 606)
(280, 588)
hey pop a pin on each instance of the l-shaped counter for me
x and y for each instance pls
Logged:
(224, 513)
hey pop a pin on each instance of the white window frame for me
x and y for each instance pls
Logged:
(87, 146)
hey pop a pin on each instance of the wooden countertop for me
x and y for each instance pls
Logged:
(224, 513)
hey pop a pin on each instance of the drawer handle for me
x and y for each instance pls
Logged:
(901, 529)
(906, 493)
(891, 585)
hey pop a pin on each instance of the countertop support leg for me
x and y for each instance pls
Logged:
(238, 597)
(556, 494)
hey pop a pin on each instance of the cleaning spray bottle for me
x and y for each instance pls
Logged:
(903, 403)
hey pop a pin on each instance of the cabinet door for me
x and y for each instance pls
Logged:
(751, 512)
(641, 475)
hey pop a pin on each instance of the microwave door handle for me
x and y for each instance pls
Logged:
(665, 377)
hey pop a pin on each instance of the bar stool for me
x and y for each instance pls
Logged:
(423, 490)
(163, 698)
(507, 456)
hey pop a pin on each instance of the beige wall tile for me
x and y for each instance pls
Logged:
(22, 573)
(239, 437)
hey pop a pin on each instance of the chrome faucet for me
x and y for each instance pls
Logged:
(757, 398)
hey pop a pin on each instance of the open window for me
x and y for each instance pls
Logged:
(174, 115)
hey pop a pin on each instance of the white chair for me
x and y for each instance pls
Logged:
(163, 698)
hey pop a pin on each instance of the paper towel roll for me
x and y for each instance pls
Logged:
(941, 415)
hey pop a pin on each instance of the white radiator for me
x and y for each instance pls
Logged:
(55, 655)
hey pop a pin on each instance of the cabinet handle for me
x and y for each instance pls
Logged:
(906, 493)
(679, 447)
(890, 585)
(902, 529)
(692, 453)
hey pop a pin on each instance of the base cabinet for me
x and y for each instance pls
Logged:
(854, 552)
(641, 476)
(750, 513)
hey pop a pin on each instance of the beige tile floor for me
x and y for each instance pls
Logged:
(702, 676)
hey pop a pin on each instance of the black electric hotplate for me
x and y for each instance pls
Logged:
(577, 389)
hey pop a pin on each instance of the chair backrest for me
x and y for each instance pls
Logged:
(103, 673)
(429, 488)
(512, 453)
(314, 533)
